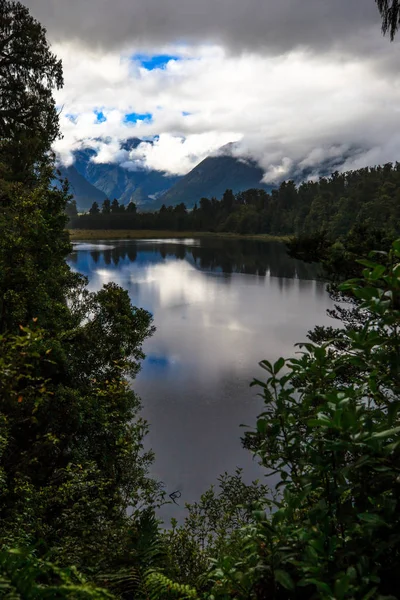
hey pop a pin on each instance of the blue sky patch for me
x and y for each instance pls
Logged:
(158, 361)
(100, 118)
(135, 117)
(157, 61)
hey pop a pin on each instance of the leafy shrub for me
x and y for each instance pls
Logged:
(334, 442)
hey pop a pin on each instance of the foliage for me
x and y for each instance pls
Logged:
(332, 205)
(160, 586)
(210, 527)
(339, 259)
(73, 469)
(28, 74)
(73, 459)
(334, 443)
(34, 278)
(142, 557)
(95, 210)
(25, 577)
(390, 13)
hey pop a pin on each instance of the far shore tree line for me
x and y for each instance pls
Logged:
(333, 204)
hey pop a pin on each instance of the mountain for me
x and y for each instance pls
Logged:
(211, 178)
(142, 186)
(149, 189)
(84, 192)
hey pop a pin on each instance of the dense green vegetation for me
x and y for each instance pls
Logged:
(77, 506)
(71, 458)
(369, 196)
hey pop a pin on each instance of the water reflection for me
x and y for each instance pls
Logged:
(219, 307)
(216, 255)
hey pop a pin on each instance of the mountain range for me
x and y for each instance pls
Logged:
(93, 181)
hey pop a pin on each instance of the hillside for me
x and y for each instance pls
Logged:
(211, 178)
(150, 189)
(142, 185)
(83, 191)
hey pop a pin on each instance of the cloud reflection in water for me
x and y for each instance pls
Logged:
(219, 308)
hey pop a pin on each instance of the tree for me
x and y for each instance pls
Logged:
(131, 208)
(25, 577)
(115, 206)
(330, 431)
(106, 207)
(94, 209)
(228, 200)
(73, 471)
(390, 13)
(180, 209)
(34, 277)
(28, 74)
(211, 525)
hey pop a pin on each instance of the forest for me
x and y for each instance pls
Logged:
(333, 204)
(78, 508)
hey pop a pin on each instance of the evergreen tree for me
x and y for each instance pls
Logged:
(106, 207)
(28, 74)
(72, 464)
(94, 209)
(115, 206)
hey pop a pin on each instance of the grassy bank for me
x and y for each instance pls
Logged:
(132, 234)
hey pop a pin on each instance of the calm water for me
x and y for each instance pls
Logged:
(219, 308)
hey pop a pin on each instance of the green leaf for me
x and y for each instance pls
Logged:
(278, 365)
(261, 426)
(386, 433)
(377, 273)
(371, 518)
(284, 579)
(321, 421)
(367, 293)
(367, 263)
(265, 364)
(341, 586)
(370, 594)
(396, 245)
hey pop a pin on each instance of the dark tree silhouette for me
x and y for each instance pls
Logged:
(390, 13)
(29, 72)
(94, 210)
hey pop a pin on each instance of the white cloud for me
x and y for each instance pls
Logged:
(288, 112)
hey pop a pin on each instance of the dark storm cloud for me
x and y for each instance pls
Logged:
(279, 25)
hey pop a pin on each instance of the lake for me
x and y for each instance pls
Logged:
(219, 306)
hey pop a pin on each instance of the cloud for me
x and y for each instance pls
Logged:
(290, 112)
(297, 85)
(177, 155)
(278, 25)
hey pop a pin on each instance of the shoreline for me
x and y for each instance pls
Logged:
(136, 234)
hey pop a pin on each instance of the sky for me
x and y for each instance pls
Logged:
(291, 84)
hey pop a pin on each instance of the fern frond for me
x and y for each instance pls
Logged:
(148, 545)
(25, 577)
(124, 581)
(159, 586)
